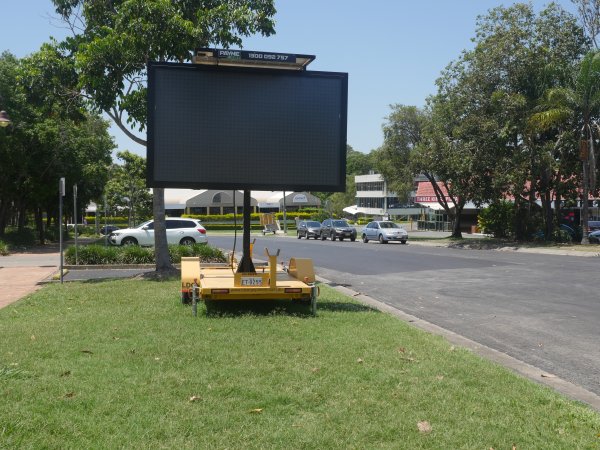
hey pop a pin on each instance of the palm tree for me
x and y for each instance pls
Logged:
(577, 106)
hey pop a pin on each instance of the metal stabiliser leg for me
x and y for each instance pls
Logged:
(195, 299)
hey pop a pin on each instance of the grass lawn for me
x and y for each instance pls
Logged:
(122, 364)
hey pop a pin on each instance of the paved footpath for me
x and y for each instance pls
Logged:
(20, 273)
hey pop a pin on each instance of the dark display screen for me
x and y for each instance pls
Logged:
(262, 129)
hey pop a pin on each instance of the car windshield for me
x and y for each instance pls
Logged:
(388, 225)
(313, 224)
(340, 223)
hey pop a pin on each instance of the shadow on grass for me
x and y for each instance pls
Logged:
(231, 308)
(344, 307)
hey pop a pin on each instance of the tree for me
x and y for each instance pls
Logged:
(126, 189)
(52, 136)
(589, 13)
(402, 133)
(114, 40)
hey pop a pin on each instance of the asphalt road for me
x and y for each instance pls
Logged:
(541, 309)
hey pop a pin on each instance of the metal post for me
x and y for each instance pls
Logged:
(105, 224)
(195, 299)
(75, 221)
(61, 194)
(284, 216)
(246, 265)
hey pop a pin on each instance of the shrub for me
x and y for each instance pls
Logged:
(3, 248)
(98, 254)
(497, 219)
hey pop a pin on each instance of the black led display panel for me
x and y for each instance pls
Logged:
(240, 128)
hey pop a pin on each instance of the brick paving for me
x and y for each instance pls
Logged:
(20, 273)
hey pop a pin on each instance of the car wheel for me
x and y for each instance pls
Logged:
(365, 239)
(403, 241)
(382, 240)
(333, 236)
(352, 239)
(187, 241)
(129, 241)
(323, 237)
(299, 236)
(341, 238)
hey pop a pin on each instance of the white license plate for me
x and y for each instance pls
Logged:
(251, 281)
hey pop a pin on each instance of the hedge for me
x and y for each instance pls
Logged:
(133, 254)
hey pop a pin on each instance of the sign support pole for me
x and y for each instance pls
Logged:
(61, 194)
(246, 265)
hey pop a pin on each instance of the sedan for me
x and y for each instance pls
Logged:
(384, 231)
(181, 231)
(308, 229)
(594, 237)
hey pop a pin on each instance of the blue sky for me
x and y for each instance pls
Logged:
(393, 50)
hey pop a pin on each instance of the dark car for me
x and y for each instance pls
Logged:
(308, 229)
(107, 229)
(337, 229)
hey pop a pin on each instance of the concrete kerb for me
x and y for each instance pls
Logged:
(533, 373)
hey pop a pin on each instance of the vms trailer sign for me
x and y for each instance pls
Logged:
(245, 128)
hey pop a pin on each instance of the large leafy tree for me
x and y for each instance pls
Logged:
(51, 136)
(571, 113)
(481, 113)
(126, 189)
(113, 41)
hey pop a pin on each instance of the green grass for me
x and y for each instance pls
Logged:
(114, 364)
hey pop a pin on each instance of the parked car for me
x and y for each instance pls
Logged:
(594, 225)
(308, 229)
(594, 237)
(179, 231)
(107, 229)
(384, 231)
(336, 228)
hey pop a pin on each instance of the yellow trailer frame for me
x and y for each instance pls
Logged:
(273, 281)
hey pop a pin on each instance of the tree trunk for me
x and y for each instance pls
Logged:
(456, 233)
(584, 206)
(161, 248)
(39, 223)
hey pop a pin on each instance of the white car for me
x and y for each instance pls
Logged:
(384, 231)
(179, 231)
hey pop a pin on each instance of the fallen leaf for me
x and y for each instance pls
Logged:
(452, 348)
(514, 447)
(424, 427)
(359, 360)
(33, 337)
(315, 369)
(439, 377)
(256, 410)
(70, 395)
(194, 398)
(87, 351)
(401, 350)
(65, 374)
(157, 359)
(116, 338)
